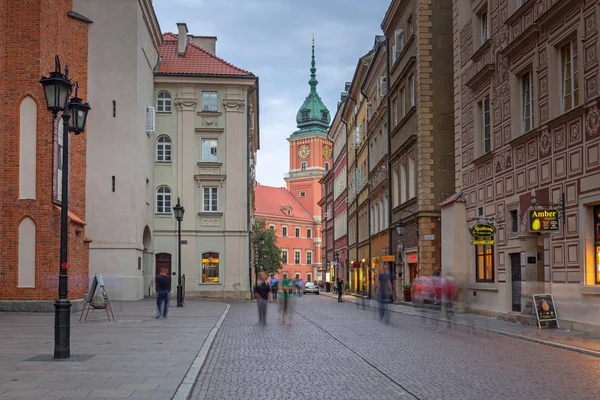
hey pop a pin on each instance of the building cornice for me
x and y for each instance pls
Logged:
(151, 22)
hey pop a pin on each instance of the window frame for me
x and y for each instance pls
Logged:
(213, 196)
(284, 256)
(487, 255)
(484, 26)
(403, 102)
(303, 166)
(164, 102)
(486, 136)
(165, 146)
(527, 102)
(297, 232)
(412, 177)
(284, 231)
(211, 158)
(308, 233)
(575, 92)
(297, 257)
(302, 193)
(326, 166)
(207, 102)
(209, 254)
(167, 197)
(411, 89)
(308, 257)
(395, 110)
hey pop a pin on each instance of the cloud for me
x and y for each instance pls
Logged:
(272, 38)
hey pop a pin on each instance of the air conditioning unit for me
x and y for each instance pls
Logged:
(150, 120)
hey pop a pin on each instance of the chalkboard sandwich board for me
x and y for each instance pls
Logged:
(545, 309)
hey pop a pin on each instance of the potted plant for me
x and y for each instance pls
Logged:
(406, 289)
(347, 286)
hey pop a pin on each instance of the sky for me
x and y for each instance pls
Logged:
(272, 39)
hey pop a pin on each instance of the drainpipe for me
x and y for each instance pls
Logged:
(248, 200)
(347, 269)
(370, 272)
(389, 171)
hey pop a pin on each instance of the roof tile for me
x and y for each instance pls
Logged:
(269, 201)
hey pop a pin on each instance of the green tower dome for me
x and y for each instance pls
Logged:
(313, 117)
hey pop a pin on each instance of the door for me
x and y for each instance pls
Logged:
(515, 267)
(163, 261)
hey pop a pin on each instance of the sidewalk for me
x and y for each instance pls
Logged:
(564, 339)
(136, 356)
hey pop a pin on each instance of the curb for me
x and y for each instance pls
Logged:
(184, 390)
(544, 342)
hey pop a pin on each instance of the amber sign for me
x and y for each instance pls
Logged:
(543, 220)
(388, 258)
(483, 230)
(544, 308)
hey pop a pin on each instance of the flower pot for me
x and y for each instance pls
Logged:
(407, 297)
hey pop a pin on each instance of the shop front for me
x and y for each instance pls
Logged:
(363, 275)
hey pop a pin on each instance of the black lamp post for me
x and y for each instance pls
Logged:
(179, 211)
(57, 90)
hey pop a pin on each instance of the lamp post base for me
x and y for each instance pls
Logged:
(62, 329)
(179, 296)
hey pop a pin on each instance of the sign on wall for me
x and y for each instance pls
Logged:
(483, 233)
(543, 220)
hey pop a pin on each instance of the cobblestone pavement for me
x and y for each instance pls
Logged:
(336, 350)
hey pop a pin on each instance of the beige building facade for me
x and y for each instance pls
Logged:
(527, 140)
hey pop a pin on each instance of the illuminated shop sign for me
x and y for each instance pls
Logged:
(483, 230)
(543, 220)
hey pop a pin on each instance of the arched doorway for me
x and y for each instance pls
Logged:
(163, 261)
(147, 255)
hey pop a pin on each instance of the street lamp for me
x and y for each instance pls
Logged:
(57, 90)
(400, 228)
(179, 211)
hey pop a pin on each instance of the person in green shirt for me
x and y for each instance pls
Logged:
(286, 292)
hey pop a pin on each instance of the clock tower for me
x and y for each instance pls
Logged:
(310, 149)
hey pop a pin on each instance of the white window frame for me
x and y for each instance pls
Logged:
(272, 227)
(284, 256)
(486, 127)
(412, 177)
(308, 255)
(284, 231)
(299, 258)
(297, 232)
(302, 194)
(527, 112)
(164, 145)
(210, 153)
(163, 197)
(411, 86)
(208, 105)
(403, 183)
(213, 197)
(308, 233)
(164, 104)
(569, 81)
(303, 166)
(399, 43)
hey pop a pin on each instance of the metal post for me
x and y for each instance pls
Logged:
(62, 307)
(179, 289)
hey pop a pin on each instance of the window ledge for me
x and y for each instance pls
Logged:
(481, 76)
(486, 45)
(210, 113)
(208, 164)
(164, 112)
(489, 287)
(210, 214)
(566, 116)
(483, 158)
(211, 130)
(164, 162)
(522, 138)
(210, 284)
(162, 215)
(591, 290)
(519, 12)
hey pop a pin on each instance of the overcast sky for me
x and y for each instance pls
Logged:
(272, 38)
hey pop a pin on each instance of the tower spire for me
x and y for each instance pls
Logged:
(313, 71)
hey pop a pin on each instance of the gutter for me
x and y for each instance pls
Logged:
(368, 194)
(346, 264)
(389, 169)
(248, 145)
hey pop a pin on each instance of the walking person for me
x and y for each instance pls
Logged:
(261, 294)
(340, 286)
(163, 286)
(287, 288)
(274, 287)
(385, 290)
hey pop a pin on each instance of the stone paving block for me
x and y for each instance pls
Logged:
(151, 394)
(33, 393)
(111, 394)
(139, 386)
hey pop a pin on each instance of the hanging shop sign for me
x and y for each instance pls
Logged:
(483, 230)
(543, 220)
(391, 258)
(411, 258)
(483, 242)
(356, 265)
(545, 309)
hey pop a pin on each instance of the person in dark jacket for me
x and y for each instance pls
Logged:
(163, 283)
(340, 290)
(261, 294)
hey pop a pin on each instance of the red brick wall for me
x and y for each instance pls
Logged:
(31, 33)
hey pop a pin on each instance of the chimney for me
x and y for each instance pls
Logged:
(207, 43)
(182, 38)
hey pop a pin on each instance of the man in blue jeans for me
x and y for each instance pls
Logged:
(163, 283)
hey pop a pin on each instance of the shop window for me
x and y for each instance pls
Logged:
(597, 243)
(484, 263)
(210, 267)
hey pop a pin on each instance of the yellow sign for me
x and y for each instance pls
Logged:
(543, 220)
(483, 242)
(391, 258)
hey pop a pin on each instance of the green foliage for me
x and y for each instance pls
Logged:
(347, 286)
(406, 287)
(267, 256)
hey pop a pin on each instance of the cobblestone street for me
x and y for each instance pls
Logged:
(334, 350)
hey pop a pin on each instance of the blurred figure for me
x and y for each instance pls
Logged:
(287, 287)
(449, 297)
(299, 286)
(274, 287)
(163, 283)
(385, 290)
(419, 292)
(340, 289)
(261, 294)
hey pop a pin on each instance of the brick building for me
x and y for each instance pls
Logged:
(31, 34)
(527, 138)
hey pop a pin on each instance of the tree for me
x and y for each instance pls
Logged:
(267, 255)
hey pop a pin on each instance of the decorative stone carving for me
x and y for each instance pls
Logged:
(234, 105)
(210, 222)
(209, 171)
(592, 121)
(545, 143)
(186, 103)
(210, 121)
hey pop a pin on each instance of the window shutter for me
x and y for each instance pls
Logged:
(382, 86)
(150, 119)
(205, 150)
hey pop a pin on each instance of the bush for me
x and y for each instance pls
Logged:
(406, 287)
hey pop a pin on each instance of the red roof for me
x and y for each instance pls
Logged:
(196, 60)
(270, 200)
(457, 197)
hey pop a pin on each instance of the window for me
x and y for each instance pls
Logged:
(326, 166)
(284, 231)
(395, 110)
(403, 102)
(209, 150)
(514, 221)
(297, 232)
(304, 116)
(403, 180)
(483, 22)
(209, 101)
(303, 166)
(484, 256)
(308, 277)
(324, 115)
(308, 233)
(309, 257)
(163, 102)
(486, 134)
(411, 85)
(163, 149)
(521, 2)
(297, 276)
(296, 256)
(399, 45)
(272, 227)
(285, 275)
(569, 76)
(210, 267)
(412, 176)
(527, 101)
(302, 194)
(411, 28)
(211, 199)
(395, 188)
(284, 256)
(163, 200)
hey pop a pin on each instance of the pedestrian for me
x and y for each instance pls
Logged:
(300, 286)
(163, 284)
(340, 286)
(287, 287)
(261, 294)
(274, 287)
(385, 290)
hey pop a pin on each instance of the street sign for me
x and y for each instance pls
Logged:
(184, 242)
(543, 220)
(429, 237)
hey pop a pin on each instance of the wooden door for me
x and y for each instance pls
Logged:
(163, 261)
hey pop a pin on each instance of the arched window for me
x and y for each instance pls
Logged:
(163, 200)
(210, 267)
(163, 149)
(163, 102)
(26, 253)
(27, 151)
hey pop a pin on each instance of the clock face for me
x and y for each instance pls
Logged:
(326, 151)
(303, 151)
